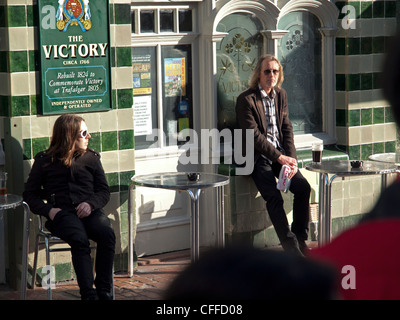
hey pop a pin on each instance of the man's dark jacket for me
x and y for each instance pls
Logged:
(250, 114)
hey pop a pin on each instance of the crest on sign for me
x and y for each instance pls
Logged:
(73, 13)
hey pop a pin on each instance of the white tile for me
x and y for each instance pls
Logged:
(109, 160)
(108, 121)
(126, 160)
(125, 119)
(354, 136)
(390, 131)
(40, 127)
(366, 134)
(19, 83)
(20, 38)
(121, 78)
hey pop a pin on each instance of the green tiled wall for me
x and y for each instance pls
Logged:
(358, 81)
(370, 9)
(109, 137)
(368, 116)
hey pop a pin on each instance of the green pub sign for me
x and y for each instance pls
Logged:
(74, 55)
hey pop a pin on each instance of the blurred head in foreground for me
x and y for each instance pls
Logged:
(246, 273)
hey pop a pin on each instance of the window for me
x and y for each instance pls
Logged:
(162, 76)
(177, 100)
(299, 51)
(304, 41)
(144, 94)
(185, 20)
(166, 20)
(162, 20)
(237, 55)
(147, 21)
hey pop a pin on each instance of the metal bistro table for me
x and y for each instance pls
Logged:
(341, 168)
(180, 181)
(11, 201)
(389, 157)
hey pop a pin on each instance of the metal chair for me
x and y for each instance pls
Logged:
(46, 238)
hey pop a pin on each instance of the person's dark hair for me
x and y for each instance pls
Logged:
(247, 273)
(65, 132)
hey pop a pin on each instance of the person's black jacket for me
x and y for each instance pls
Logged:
(64, 187)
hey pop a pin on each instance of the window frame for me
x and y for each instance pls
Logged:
(158, 40)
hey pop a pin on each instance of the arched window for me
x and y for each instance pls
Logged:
(299, 51)
(301, 33)
(237, 55)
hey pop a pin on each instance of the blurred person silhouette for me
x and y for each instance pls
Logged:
(368, 258)
(247, 273)
(70, 177)
(370, 249)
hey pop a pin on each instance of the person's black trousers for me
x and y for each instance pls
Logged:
(77, 232)
(264, 177)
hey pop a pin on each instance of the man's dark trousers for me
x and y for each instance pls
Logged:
(264, 177)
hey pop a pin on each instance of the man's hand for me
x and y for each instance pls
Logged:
(83, 210)
(289, 161)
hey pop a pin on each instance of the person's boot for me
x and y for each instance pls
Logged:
(303, 247)
(104, 294)
(290, 244)
(90, 294)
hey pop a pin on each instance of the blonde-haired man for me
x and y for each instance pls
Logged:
(263, 107)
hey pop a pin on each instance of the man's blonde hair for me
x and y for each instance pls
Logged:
(255, 76)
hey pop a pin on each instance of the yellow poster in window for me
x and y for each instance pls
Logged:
(175, 77)
(183, 123)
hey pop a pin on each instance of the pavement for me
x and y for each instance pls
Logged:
(152, 277)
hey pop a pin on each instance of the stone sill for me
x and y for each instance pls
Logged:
(304, 156)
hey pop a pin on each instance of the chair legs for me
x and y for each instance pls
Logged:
(46, 240)
(48, 250)
(35, 262)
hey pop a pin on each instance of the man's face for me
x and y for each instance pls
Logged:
(269, 74)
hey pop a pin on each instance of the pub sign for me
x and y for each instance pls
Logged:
(74, 56)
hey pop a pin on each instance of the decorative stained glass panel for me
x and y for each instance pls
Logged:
(300, 54)
(237, 56)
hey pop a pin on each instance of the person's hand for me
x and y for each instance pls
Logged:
(83, 210)
(289, 161)
(53, 212)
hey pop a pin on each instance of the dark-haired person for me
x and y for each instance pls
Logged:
(264, 108)
(70, 177)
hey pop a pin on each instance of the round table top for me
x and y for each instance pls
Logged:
(180, 180)
(10, 201)
(389, 157)
(343, 167)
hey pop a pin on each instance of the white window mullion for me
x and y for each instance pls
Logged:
(159, 97)
(176, 20)
(157, 20)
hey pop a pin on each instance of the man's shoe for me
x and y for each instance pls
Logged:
(104, 295)
(89, 295)
(303, 247)
(290, 244)
(296, 251)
